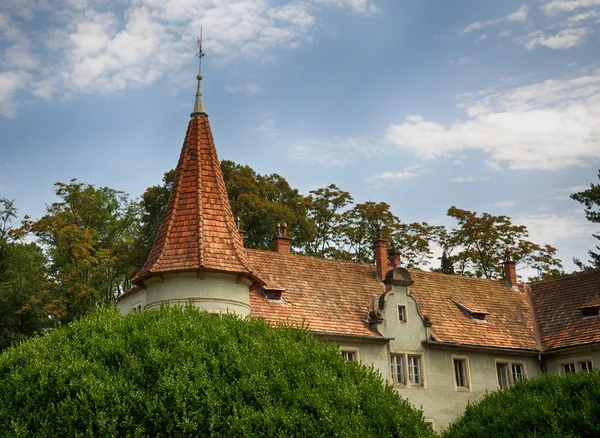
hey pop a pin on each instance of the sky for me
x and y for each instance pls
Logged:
(424, 104)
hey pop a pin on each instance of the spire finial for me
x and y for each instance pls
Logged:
(199, 104)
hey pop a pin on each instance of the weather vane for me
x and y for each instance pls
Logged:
(200, 53)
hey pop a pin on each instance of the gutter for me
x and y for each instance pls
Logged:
(483, 349)
(355, 338)
(575, 347)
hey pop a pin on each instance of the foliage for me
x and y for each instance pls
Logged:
(182, 372)
(548, 406)
(22, 272)
(590, 198)
(476, 246)
(88, 235)
(263, 201)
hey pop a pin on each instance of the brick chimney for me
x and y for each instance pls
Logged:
(510, 270)
(282, 242)
(394, 259)
(381, 259)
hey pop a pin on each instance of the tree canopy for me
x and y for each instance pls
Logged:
(590, 198)
(182, 372)
(548, 406)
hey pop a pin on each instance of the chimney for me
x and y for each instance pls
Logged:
(282, 242)
(381, 261)
(394, 259)
(510, 270)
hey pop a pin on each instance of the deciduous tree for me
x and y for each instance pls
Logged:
(590, 198)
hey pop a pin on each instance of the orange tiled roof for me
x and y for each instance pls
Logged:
(325, 295)
(557, 305)
(198, 231)
(335, 297)
(508, 323)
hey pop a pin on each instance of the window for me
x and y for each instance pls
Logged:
(398, 369)
(509, 373)
(590, 311)
(576, 365)
(350, 355)
(414, 370)
(401, 313)
(461, 373)
(407, 369)
(429, 423)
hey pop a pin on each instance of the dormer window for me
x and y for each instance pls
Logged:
(273, 292)
(589, 311)
(471, 311)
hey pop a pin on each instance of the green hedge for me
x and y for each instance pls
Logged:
(548, 406)
(181, 372)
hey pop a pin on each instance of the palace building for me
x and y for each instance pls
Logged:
(442, 340)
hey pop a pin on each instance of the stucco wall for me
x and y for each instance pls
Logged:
(438, 396)
(554, 361)
(215, 293)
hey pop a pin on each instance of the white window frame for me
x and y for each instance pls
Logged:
(408, 372)
(576, 363)
(429, 422)
(355, 350)
(509, 371)
(403, 313)
(467, 372)
(398, 370)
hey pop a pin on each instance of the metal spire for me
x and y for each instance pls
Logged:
(199, 104)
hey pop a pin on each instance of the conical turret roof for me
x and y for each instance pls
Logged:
(198, 232)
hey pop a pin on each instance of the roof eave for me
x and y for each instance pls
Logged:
(482, 348)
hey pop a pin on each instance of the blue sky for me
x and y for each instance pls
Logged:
(489, 106)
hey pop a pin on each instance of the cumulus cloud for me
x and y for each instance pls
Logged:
(553, 229)
(557, 6)
(519, 15)
(93, 46)
(548, 125)
(248, 89)
(565, 39)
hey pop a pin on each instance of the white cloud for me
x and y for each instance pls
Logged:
(565, 39)
(504, 34)
(337, 151)
(460, 61)
(502, 204)
(519, 15)
(481, 38)
(553, 229)
(248, 89)
(556, 6)
(578, 18)
(10, 83)
(94, 46)
(468, 179)
(267, 127)
(385, 179)
(548, 125)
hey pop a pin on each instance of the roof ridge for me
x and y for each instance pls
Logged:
(567, 276)
(276, 254)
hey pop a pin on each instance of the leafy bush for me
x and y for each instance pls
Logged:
(181, 372)
(549, 406)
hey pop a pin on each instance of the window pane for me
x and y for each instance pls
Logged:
(414, 370)
(502, 372)
(517, 372)
(460, 373)
(349, 356)
(585, 366)
(568, 368)
(398, 369)
(401, 313)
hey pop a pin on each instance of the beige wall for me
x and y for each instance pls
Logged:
(438, 395)
(554, 361)
(215, 293)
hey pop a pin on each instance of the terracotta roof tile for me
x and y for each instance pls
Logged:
(198, 231)
(508, 323)
(558, 305)
(325, 295)
(335, 297)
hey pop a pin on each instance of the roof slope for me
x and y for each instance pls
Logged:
(557, 305)
(325, 295)
(508, 323)
(198, 231)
